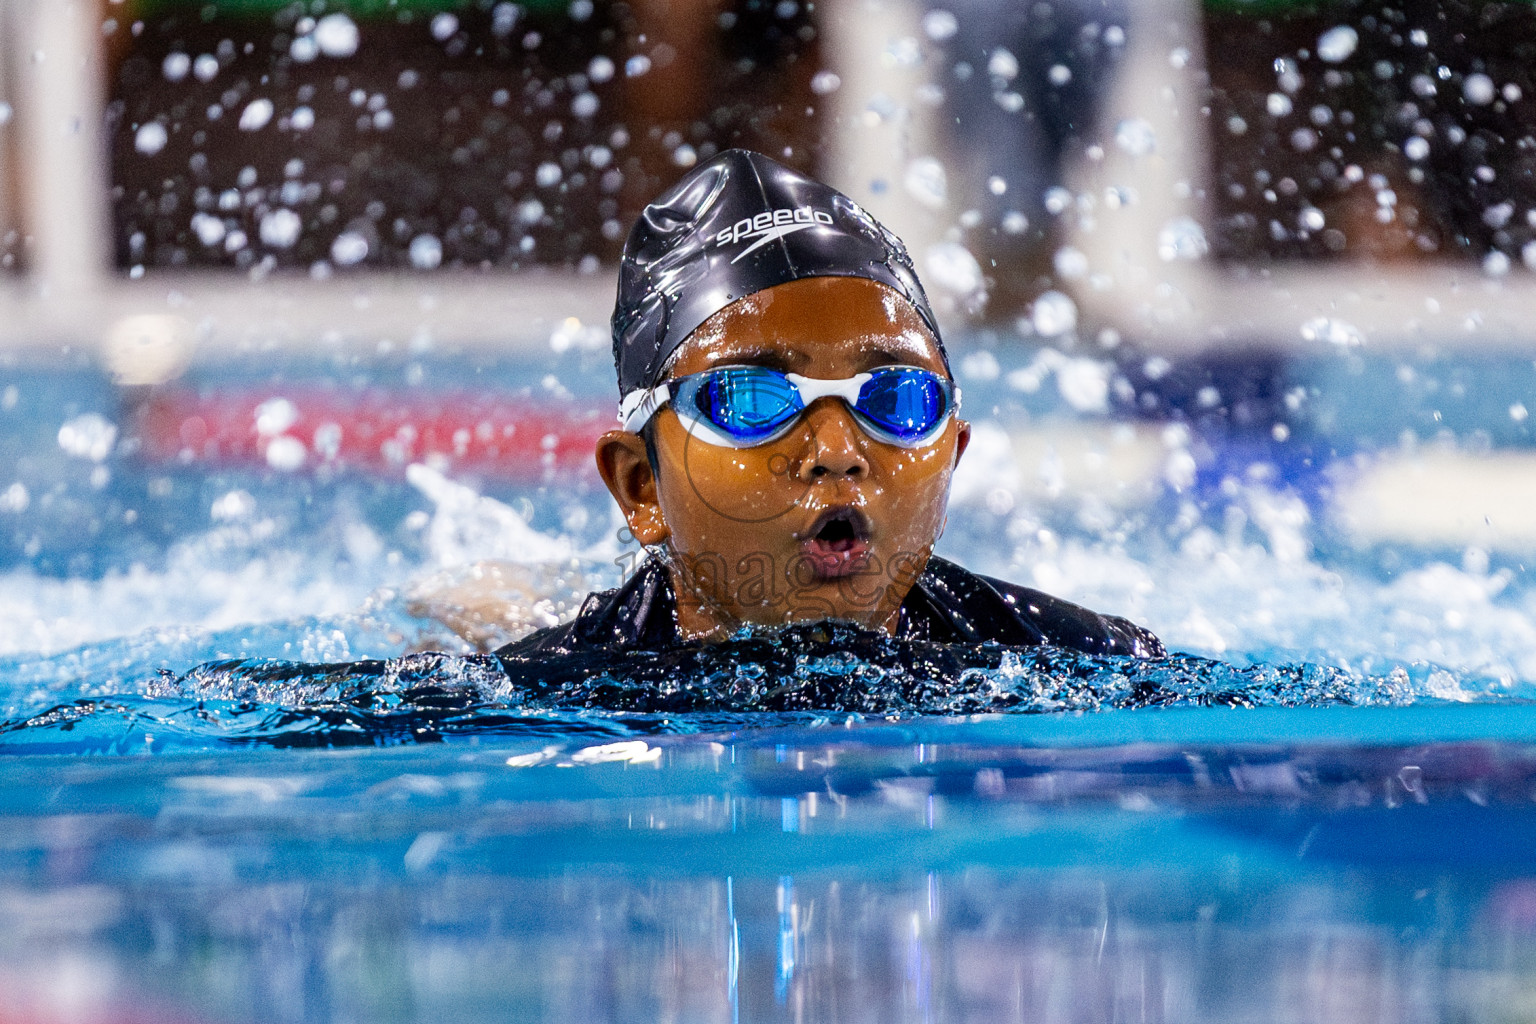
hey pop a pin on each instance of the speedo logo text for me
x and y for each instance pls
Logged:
(769, 225)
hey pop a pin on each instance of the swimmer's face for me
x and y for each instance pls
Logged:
(823, 522)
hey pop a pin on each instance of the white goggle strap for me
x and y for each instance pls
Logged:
(639, 406)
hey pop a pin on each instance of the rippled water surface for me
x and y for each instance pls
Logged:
(259, 767)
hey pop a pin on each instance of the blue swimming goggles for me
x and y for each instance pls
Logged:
(745, 406)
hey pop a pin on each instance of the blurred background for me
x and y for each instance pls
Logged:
(303, 305)
(303, 349)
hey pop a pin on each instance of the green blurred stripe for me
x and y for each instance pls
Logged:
(1270, 7)
(363, 10)
(1346, 12)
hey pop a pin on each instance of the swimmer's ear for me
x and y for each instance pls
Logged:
(962, 439)
(626, 470)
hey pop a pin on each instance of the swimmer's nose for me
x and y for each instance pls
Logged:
(837, 447)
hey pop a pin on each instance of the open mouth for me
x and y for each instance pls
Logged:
(837, 544)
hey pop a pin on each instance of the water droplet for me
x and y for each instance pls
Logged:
(981, 365)
(504, 16)
(349, 249)
(925, 181)
(940, 25)
(1071, 263)
(585, 105)
(15, 498)
(205, 67)
(1053, 314)
(1498, 215)
(426, 252)
(286, 454)
(1003, 64)
(1496, 264)
(337, 35)
(150, 138)
(280, 228)
(1009, 100)
(1332, 331)
(274, 416)
(256, 115)
(1181, 239)
(89, 436)
(303, 119)
(1416, 148)
(1335, 45)
(176, 66)
(209, 229)
(304, 49)
(1084, 384)
(1059, 75)
(825, 82)
(232, 506)
(1015, 223)
(600, 70)
(444, 25)
(1278, 104)
(1287, 74)
(1135, 136)
(1478, 89)
(950, 266)
(548, 174)
(1311, 218)
(637, 65)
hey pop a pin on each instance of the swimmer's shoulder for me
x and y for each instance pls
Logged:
(996, 609)
(638, 614)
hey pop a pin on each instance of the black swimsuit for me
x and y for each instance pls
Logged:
(947, 604)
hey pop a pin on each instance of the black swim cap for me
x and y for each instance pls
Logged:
(733, 226)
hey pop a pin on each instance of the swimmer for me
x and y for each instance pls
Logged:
(788, 427)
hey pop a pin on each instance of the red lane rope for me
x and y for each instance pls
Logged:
(505, 437)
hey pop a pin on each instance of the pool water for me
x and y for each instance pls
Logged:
(237, 787)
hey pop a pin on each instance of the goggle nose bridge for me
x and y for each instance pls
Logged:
(813, 388)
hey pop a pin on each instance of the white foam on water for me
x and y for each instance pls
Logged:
(1088, 510)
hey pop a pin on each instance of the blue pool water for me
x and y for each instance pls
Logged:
(1321, 809)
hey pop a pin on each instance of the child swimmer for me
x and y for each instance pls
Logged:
(788, 428)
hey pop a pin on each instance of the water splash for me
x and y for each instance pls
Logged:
(803, 674)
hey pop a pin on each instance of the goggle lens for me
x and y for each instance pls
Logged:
(743, 406)
(747, 402)
(906, 403)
